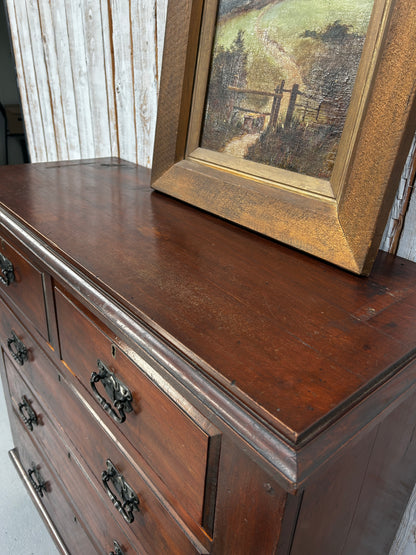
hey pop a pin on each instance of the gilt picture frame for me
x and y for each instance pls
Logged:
(338, 214)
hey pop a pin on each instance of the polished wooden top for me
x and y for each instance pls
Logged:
(293, 339)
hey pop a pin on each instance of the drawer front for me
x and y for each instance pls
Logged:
(83, 495)
(53, 498)
(15, 338)
(174, 446)
(154, 526)
(26, 289)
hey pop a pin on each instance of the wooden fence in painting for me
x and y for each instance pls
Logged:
(307, 106)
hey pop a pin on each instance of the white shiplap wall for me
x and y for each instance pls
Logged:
(88, 72)
(400, 233)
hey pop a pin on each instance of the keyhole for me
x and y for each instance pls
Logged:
(113, 351)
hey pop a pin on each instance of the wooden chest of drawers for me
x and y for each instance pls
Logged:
(176, 384)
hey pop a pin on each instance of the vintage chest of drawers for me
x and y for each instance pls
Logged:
(176, 384)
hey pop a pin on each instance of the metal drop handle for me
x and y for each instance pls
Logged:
(118, 393)
(27, 414)
(17, 349)
(6, 271)
(117, 549)
(129, 501)
(38, 483)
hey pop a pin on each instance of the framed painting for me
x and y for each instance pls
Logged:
(289, 117)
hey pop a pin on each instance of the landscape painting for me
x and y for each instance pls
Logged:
(281, 78)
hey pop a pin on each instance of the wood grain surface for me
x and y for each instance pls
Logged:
(251, 311)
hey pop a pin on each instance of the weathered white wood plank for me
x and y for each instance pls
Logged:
(96, 76)
(75, 31)
(143, 25)
(109, 76)
(407, 245)
(405, 540)
(161, 10)
(20, 68)
(124, 78)
(58, 30)
(35, 44)
(29, 82)
(394, 227)
(94, 55)
(45, 25)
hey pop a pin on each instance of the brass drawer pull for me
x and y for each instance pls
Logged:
(129, 500)
(27, 414)
(117, 549)
(17, 349)
(38, 483)
(118, 393)
(6, 272)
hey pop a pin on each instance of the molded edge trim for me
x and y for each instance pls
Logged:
(291, 463)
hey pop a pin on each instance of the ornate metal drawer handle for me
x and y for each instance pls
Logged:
(27, 414)
(6, 272)
(117, 549)
(38, 483)
(17, 349)
(118, 393)
(129, 500)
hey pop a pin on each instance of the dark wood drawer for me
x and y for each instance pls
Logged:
(73, 539)
(15, 338)
(182, 452)
(156, 526)
(85, 498)
(26, 288)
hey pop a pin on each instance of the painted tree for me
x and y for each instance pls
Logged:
(228, 69)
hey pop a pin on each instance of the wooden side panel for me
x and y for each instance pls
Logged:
(250, 506)
(363, 494)
(389, 480)
(331, 497)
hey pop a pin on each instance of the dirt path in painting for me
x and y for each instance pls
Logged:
(283, 59)
(239, 145)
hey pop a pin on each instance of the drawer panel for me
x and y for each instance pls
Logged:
(15, 338)
(26, 291)
(175, 446)
(82, 426)
(83, 495)
(54, 500)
